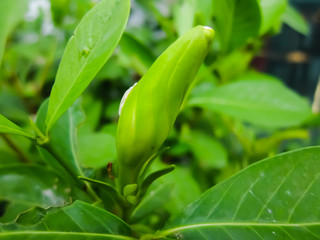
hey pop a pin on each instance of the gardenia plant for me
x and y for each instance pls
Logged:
(276, 198)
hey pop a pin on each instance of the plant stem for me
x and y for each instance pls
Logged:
(23, 157)
(72, 173)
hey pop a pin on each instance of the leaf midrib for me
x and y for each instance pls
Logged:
(65, 233)
(238, 224)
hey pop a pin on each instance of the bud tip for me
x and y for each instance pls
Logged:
(208, 31)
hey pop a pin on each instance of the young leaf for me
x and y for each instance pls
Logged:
(271, 11)
(236, 21)
(261, 101)
(79, 221)
(11, 13)
(6, 126)
(294, 19)
(92, 44)
(277, 198)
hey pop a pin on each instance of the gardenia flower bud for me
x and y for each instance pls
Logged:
(150, 108)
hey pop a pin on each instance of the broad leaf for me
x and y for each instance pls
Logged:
(83, 217)
(62, 139)
(259, 100)
(271, 11)
(236, 22)
(77, 221)
(28, 186)
(277, 198)
(294, 19)
(92, 44)
(6, 126)
(11, 13)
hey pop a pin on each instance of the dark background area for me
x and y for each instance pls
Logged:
(295, 58)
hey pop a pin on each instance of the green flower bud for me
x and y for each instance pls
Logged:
(152, 105)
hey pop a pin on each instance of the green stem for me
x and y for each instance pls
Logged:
(44, 142)
(92, 193)
(72, 173)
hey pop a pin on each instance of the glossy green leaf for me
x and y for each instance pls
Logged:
(83, 217)
(262, 101)
(6, 126)
(92, 44)
(33, 186)
(11, 13)
(294, 19)
(77, 221)
(277, 198)
(271, 12)
(62, 139)
(236, 22)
